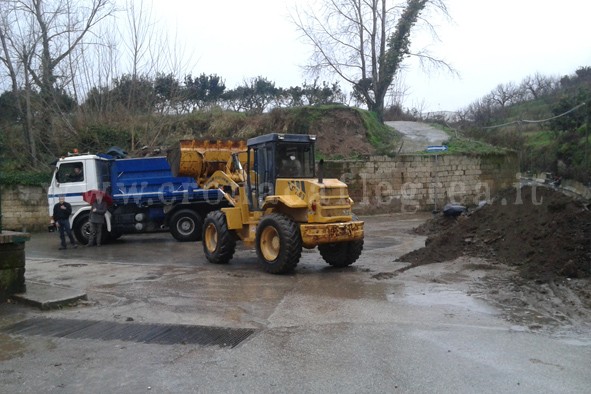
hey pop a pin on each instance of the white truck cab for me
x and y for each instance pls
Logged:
(75, 175)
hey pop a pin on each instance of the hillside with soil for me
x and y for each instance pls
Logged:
(341, 132)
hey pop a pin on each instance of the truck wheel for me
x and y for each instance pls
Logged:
(219, 243)
(185, 226)
(341, 254)
(82, 229)
(278, 244)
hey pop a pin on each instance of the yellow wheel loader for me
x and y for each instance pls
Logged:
(278, 201)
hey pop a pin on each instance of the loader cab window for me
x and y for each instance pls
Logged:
(70, 173)
(272, 160)
(263, 184)
(294, 160)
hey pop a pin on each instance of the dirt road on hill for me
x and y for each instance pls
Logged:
(417, 136)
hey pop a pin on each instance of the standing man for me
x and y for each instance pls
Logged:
(97, 219)
(61, 217)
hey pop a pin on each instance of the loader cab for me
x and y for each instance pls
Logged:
(277, 156)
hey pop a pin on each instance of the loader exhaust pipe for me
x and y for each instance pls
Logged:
(320, 170)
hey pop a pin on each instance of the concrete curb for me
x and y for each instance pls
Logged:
(45, 296)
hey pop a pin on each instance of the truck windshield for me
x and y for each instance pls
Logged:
(295, 160)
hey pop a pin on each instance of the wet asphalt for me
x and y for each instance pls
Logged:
(362, 329)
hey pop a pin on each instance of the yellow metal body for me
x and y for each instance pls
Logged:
(201, 159)
(322, 209)
(316, 234)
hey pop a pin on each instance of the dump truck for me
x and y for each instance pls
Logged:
(278, 201)
(143, 194)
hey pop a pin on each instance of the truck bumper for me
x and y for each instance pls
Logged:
(316, 234)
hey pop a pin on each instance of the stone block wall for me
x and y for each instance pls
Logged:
(24, 208)
(408, 183)
(405, 183)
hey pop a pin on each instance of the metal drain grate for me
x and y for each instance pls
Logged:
(164, 334)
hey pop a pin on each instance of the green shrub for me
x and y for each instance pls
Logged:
(96, 138)
(25, 178)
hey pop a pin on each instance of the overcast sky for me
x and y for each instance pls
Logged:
(487, 42)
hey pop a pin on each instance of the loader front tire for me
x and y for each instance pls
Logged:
(219, 243)
(341, 254)
(278, 243)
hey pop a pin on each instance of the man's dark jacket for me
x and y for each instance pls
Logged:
(61, 214)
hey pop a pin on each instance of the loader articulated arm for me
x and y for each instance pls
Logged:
(215, 164)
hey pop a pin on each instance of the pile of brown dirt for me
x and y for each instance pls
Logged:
(540, 230)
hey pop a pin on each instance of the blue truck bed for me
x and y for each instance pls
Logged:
(146, 181)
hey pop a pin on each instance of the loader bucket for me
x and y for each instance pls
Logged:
(201, 158)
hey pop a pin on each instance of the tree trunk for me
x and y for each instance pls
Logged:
(29, 131)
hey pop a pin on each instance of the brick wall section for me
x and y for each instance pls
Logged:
(379, 184)
(408, 183)
(24, 208)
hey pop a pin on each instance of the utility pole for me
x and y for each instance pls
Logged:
(587, 140)
(0, 208)
(435, 208)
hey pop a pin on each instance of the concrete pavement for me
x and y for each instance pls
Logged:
(357, 330)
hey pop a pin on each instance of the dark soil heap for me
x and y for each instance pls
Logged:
(544, 232)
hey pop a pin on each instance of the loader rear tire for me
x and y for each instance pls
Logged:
(341, 254)
(219, 243)
(278, 244)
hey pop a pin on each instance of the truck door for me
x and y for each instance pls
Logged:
(103, 176)
(70, 180)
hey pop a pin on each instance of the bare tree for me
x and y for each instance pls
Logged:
(98, 68)
(6, 57)
(39, 39)
(151, 55)
(365, 42)
(504, 94)
(61, 26)
(18, 48)
(538, 85)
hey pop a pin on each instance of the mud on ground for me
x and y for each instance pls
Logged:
(532, 248)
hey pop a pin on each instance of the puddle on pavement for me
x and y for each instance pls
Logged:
(447, 297)
(353, 289)
(372, 243)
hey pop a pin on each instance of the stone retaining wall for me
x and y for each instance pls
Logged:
(24, 208)
(405, 183)
(408, 183)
